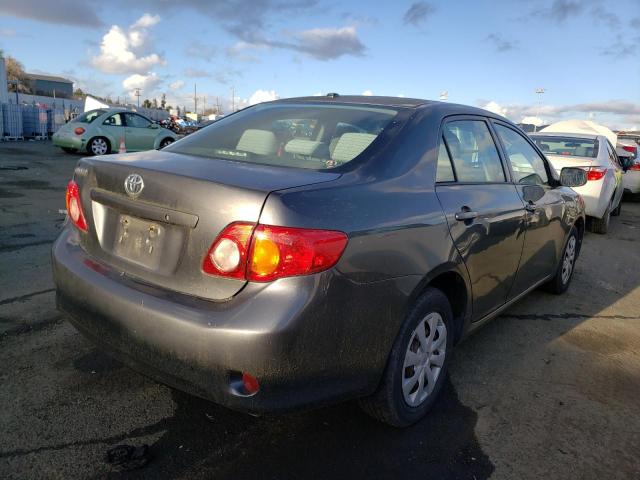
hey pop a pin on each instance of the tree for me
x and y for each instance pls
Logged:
(79, 93)
(155, 103)
(16, 73)
(163, 101)
(146, 103)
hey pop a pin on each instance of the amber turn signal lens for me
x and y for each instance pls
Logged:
(266, 256)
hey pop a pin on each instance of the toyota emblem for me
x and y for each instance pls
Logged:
(133, 185)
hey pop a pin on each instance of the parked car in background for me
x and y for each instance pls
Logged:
(99, 132)
(270, 268)
(603, 191)
(627, 147)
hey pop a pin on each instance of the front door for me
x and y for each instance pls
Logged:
(484, 211)
(545, 228)
(138, 132)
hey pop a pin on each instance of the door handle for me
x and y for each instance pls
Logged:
(530, 207)
(466, 215)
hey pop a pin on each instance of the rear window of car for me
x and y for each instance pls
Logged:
(309, 136)
(569, 146)
(88, 117)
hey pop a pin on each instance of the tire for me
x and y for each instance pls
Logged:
(616, 211)
(68, 150)
(98, 146)
(562, 279)
(601, 225)
(390, 403)
(165, 142)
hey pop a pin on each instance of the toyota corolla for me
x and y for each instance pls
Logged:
(314, 250)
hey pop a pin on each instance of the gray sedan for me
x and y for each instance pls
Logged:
(313, 250)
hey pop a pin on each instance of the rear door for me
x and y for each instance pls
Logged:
(484, 211)
(138, 132)
(544, 205)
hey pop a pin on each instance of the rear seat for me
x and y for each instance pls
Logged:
(350, 145)
(259, 142)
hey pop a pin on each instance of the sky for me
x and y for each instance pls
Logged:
(492, 54)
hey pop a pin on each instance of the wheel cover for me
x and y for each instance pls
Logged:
(424, 359)
(99, 146)
(569, 259)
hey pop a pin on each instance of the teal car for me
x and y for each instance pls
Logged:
(101, 131)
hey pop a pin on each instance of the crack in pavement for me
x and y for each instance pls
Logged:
(25, 297)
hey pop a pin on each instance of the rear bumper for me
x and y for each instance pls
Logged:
(595, 198)
(631, 181)
(308, 340)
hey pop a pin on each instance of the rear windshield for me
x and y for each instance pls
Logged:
(310, 136)
(88, 117)
(573, 147)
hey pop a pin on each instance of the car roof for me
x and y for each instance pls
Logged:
(442, 108)
(589, 136)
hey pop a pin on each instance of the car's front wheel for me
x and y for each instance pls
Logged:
(417, 365)
(98, 146)
(165, 142)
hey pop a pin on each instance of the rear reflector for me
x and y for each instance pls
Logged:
(264, 253)
(74, 206)
(250, 383)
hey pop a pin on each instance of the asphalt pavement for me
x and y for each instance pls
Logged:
(549, 389)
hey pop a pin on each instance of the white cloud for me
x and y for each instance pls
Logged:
(260, 96)
(532, 120)
(177, 85)
(122, 51)
(495, 107)
(145, 21)
(367, 93)
(146, 83)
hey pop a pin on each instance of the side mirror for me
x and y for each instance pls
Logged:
(573, 177)
(154, 125)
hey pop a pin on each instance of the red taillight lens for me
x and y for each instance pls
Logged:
(286, 252)
(595, 173)
(264, 253)
(630, 148)
(250, 383)
(228, 254)
(74, 207)
(79, 131)
(635, 167)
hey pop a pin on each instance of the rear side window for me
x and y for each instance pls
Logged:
(444, 172)
(313, 136)
(473, 151)
(114, 120)
(89, 116)
(528, 167)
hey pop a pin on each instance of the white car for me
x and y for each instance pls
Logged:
(594, 153)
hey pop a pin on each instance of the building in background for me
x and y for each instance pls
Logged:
(50, 86)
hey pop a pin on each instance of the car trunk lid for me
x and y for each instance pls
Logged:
(558, 162)
(159, 229)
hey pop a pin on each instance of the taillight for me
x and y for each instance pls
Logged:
(79, 131)
(630, 148)
(74, 207)
(595, 173)
(635, 167)
(227, 256)
(264, 253)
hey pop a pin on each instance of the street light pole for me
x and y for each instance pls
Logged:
(540, 93)
(137, 94)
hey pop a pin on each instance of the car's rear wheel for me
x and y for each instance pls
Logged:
(98, 146)
(417, 365)
(601, 225)
(69, 150)
(560, 282)
(165, 142)
(616, 211)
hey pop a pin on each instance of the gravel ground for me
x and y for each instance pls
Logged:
(549, 389)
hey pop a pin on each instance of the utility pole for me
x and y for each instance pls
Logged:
(195, 100)
(540, 93)
(137, 94)
(204, 105)
(217, 105)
